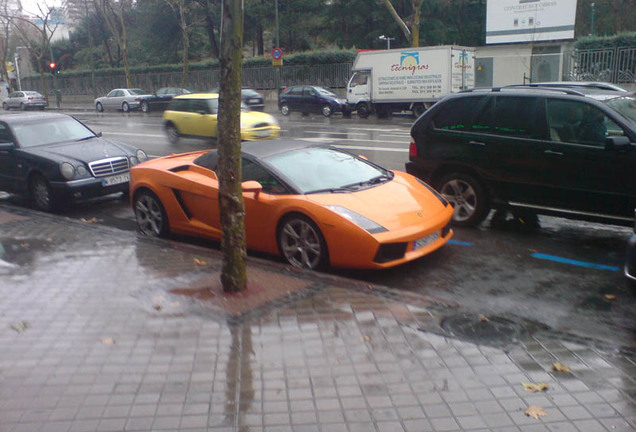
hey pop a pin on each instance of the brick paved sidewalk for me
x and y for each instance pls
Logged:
(103, 331)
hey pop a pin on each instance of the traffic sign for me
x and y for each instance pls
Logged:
(277, 53)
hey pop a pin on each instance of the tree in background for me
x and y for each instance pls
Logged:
(37, 39)
(114, 15)
(231, 205)
(410, 24)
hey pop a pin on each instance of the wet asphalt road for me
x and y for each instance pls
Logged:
(566, 275)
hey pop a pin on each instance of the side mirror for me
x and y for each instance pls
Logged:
(252, 186)
(99, 134)
(6, 146)
(617, 143)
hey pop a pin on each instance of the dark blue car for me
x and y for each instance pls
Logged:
(307, 99)
(630, 261)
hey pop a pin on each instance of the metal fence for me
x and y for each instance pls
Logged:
(261, 78)
(615, 65)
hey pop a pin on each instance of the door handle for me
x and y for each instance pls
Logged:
(553, 153)
(477, 143)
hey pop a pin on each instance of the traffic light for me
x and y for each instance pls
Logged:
(52, 66)
(55, 68)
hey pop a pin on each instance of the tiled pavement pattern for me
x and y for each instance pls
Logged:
(103, 331)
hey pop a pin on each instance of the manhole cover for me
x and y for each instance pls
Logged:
(483, 330)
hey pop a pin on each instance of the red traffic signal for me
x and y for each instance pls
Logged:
(52, 65)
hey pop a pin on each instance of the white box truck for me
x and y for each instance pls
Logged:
(410, 79)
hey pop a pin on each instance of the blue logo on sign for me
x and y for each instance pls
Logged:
(410, 59)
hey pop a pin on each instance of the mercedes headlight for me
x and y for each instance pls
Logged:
(67, 170)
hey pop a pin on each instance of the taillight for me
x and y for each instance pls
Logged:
(30, 98)
(412, 150)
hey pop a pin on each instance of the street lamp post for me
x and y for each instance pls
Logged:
(388, 40)
(16, 58)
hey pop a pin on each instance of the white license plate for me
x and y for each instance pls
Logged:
(262, 133)
(425, 241)
(116, 179)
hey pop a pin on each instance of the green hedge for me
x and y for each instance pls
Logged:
(600, 42)
(307, 58)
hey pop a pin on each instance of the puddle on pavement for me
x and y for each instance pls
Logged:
(19, 252)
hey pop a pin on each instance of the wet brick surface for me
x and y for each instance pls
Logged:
(103, 331)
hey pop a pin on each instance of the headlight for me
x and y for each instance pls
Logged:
(358, 219)
(81, 171)
(67, 170)
(141, 155)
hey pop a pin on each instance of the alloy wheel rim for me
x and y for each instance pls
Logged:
(301, 244)
(149, 216)
(463, 198)
(41, 194)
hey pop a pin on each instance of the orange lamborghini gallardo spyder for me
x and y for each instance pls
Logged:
(314, 205)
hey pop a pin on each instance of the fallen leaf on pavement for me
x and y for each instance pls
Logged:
(560, 367)
(21, 326)
(531, 387)
(483, 318)
(610, 297)
(366, 338)
(197, 261)
(91, 220)
(157, 307)
(108, 341)
(535, 412)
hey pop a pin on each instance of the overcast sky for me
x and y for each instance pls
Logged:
(31, 6)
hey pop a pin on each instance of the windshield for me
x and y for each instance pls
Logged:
(325, 169)
(626, 106)
(325, 91)
(50, 131)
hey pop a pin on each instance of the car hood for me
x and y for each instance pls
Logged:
(82, 151)
(409, 202)
(252, 118)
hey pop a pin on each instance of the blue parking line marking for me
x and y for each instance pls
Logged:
(460, 243)
(575, 262)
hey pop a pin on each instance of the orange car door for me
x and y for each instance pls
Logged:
(198, 194)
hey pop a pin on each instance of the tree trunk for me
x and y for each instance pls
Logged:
(231, 206)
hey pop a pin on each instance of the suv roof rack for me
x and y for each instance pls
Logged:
(525, 87)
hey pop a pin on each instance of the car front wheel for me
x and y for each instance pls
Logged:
(301, 243)
(150, 214)
(125, 107)
(467, 196)
(145, 107)
(99, 107)
(41, 193)
(327, 110)
(173, 134)
(284, 109)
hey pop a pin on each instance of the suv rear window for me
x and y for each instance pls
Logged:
(458, 114)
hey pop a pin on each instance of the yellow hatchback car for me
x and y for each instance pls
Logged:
(194, 115)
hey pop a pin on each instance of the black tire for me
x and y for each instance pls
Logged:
(327, 110)
(5, 106)
(99, 107)
(467, 196)
(173, 134)
(125, 107)
(145, 107)
(301, 243)
(151, 217)
(41, 193)
(22, 107)
(284, 109)
(418, 110)
(363, 110)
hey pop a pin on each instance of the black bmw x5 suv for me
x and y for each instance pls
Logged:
(557, 151)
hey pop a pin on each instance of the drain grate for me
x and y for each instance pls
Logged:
(494, 331)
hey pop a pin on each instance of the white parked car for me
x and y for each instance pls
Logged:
(124, 99)
(23, 100)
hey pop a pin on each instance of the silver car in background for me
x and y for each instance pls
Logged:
(23, 100)
(123, 99)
